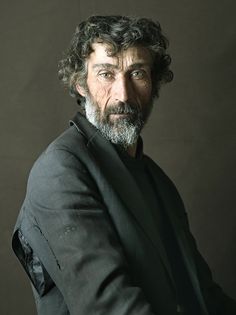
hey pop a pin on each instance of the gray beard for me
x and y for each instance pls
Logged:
(123, 131)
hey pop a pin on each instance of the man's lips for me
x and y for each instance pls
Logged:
(119, 114)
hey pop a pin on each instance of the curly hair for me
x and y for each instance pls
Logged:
(120, 32)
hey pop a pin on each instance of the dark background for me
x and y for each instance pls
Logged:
(191, 134)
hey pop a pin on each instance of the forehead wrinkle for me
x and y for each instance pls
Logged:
(105, 66)
(133, 57)
(139, 65)
(136, 65)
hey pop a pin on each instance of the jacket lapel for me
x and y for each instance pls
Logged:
(123, 184)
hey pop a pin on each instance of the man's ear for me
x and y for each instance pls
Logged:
(80, 90)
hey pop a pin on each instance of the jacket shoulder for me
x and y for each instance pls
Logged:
(70, 140)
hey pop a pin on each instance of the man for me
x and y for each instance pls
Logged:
(102, 229)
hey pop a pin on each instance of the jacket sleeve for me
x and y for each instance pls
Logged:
(72, 235)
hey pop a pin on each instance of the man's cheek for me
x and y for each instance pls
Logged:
(102, 96)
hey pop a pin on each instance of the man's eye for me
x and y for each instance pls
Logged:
(138, 74)
(106, 75)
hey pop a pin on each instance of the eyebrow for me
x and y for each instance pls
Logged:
(136, 65)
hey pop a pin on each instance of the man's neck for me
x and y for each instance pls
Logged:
(131, 150)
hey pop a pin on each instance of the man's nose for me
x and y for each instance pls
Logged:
(122, 89)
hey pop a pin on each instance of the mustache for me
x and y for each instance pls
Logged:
(122, 108)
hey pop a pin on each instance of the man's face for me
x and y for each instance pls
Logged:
(119, 92)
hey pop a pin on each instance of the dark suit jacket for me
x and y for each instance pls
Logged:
(87, 242)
